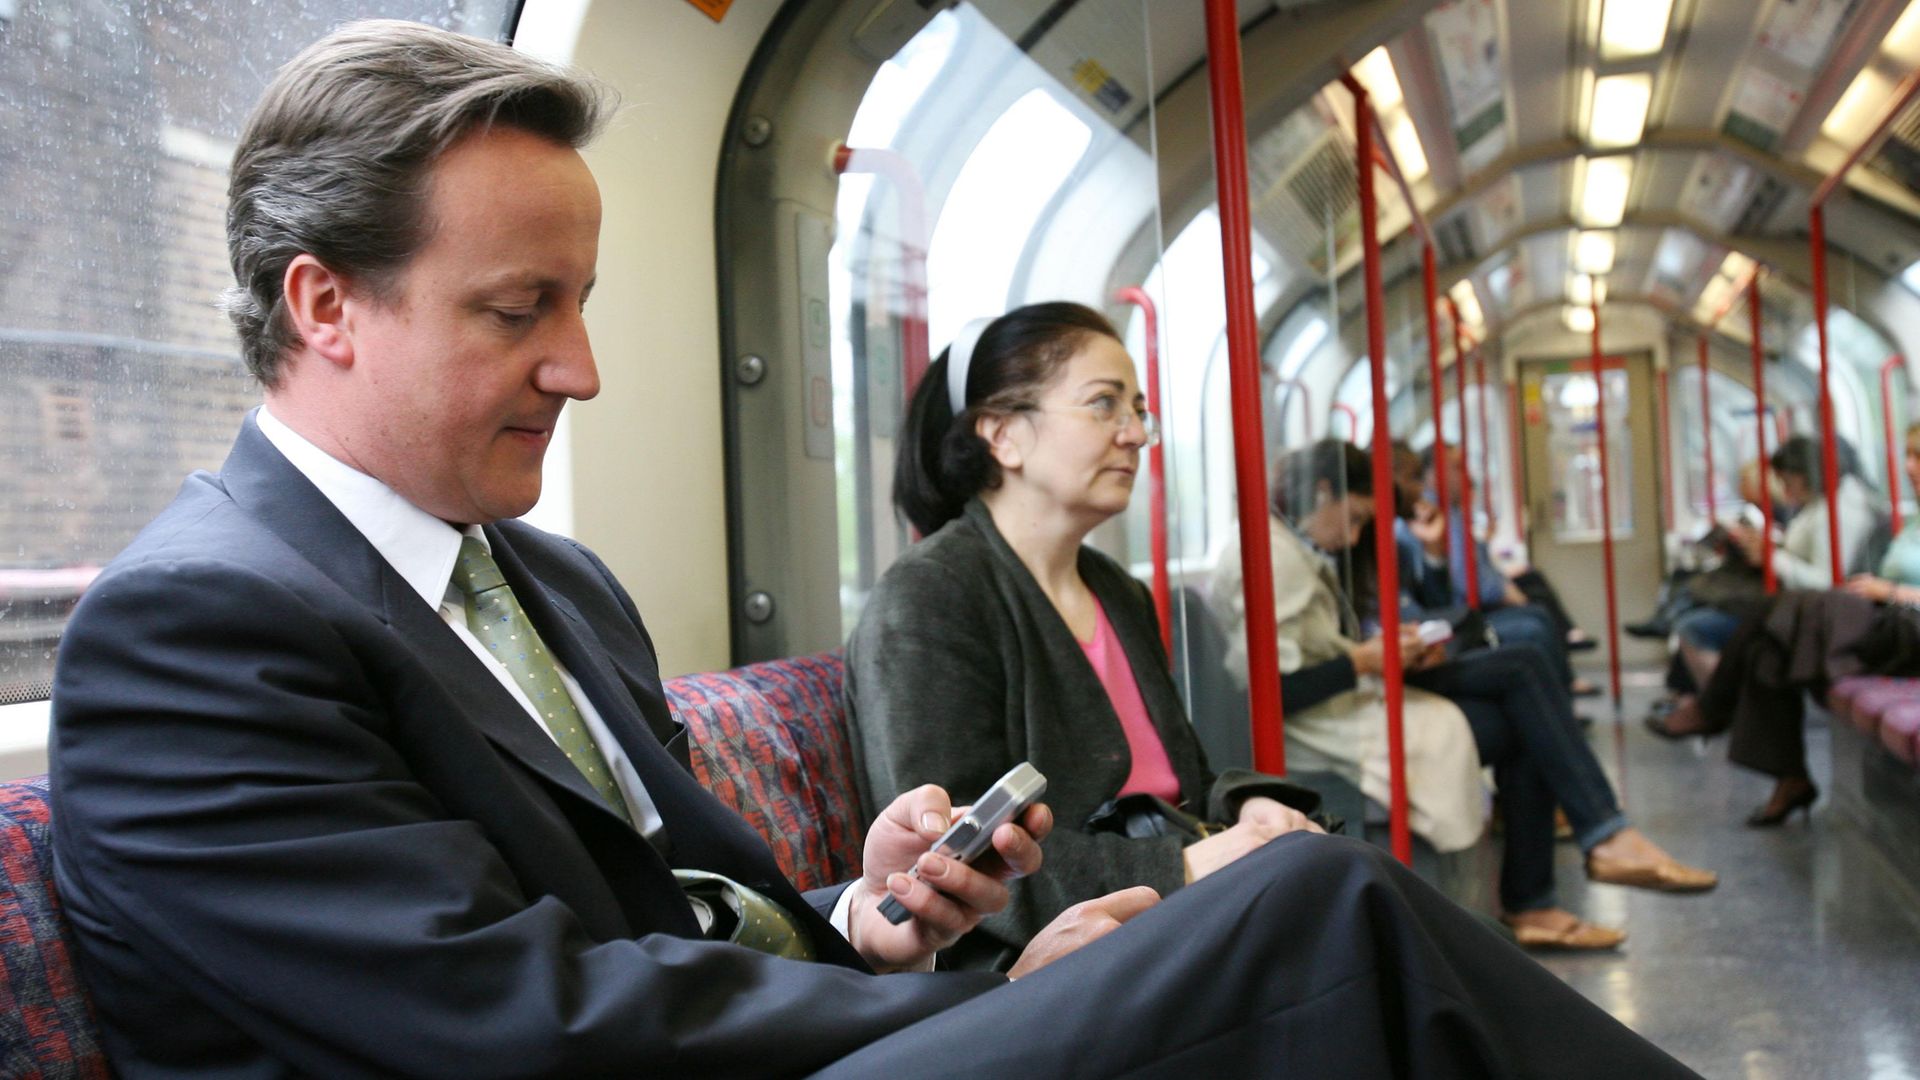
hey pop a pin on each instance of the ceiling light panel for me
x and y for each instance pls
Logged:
(1375, 72)
(1619, 114)
(1903, 41)
(1464, 298)
(1859, 107)
(1584, 289)
(1593, 253)
(1630, 28)
(1578, 319)
(1603, 190)
(1405, 141)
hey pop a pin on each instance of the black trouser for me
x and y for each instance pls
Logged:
(1523, 723)
(1315, 956)
(1764, 716)
(1540, 593)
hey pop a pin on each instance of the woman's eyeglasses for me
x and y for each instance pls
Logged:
(1108, 409)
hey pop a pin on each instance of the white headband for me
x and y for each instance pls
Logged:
(959, 359)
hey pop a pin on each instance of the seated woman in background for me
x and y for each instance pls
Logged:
(1520, 716)
(1001, 637)
(1800, 642)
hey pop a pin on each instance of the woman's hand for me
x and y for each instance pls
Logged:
(1878, 590)
(1370, 656)
(1749, 540)
(1429, 526)
(1261, 819)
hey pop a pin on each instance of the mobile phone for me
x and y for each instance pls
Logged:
(968, 837)
(1434, 631)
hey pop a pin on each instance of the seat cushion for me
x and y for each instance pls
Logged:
(1842, 695)
(1871, 703)
(46, 1023)
(769, 739)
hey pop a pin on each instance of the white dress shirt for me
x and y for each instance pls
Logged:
(422, 549)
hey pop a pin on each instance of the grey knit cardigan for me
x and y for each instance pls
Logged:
(961, 668)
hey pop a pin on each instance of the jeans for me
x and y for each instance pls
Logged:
(1523, 723)
(1706, 628)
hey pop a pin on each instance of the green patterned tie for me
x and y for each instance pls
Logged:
(735, 912)
(496, 618)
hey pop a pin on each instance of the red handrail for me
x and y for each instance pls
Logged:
(1437, 386)
(912, 199)
(1760, 433)
(1224, 93)
(1353, 420)
(1902, 94)
(1606, 509)
(1156, 466)
(1466, 474)
(1829, 453)
(1887, 368)
(1706, 426)
(1306, 402)
(1385, 548)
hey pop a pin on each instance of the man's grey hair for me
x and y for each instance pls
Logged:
(335, 160)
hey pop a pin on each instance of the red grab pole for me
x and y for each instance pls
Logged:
(1243, 366)
(1156, 466)
(1706, 425)
(1760, 434)
(1829, 456)
(914, 239)
(1606, 510)
(1385, 550)
(1892, 364)
(1438, 389)
(1466, 474)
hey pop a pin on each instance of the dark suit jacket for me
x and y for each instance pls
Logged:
(300, 829)
(961, 668)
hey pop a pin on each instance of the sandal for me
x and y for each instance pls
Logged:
(1578, 936)
(1666, 875)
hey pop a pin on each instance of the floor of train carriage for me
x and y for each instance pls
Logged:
(1804, 963)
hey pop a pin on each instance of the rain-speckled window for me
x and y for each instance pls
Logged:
(118, 374)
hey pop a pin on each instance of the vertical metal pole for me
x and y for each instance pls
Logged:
(1829, 456)
(1606, 511)
(1385, 550)
(1663, 446)
(1706, 425)
(1438, 389)
(1886, 419)
(1156, 468)
(1522, 525)
(1486, 435)
(1243, 360)
(1466, 474)
(1760, 434)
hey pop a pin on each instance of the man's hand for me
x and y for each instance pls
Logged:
(1748, 539)
(1429, 526)
(1511, 596)
(949, 898)
(1080, 924)
(1261, 819)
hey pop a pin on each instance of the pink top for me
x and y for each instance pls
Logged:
(1152, 772)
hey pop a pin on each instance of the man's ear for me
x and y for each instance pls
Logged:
(316, 303)
(999, 430)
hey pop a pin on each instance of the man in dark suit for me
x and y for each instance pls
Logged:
(356, 776)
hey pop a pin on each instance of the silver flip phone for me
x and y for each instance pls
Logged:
(966, 838)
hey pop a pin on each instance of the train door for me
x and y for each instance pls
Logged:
(1562, 455)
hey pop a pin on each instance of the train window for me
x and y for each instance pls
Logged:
(981, 175)
(1572, 401)
(118, 374)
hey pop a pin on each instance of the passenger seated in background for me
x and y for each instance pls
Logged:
(1521, 718)
(1800, 559)
(1800, 643)
(1432, 590)
(1002, 637)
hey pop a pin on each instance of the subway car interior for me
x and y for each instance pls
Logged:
(1635, 281)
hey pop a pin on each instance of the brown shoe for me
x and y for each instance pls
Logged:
(1665, 875)
(1578, 936)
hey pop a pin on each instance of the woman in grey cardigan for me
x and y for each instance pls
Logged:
(984, 644)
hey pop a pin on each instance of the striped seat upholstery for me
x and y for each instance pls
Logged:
(46, 1023)
(770, 741)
